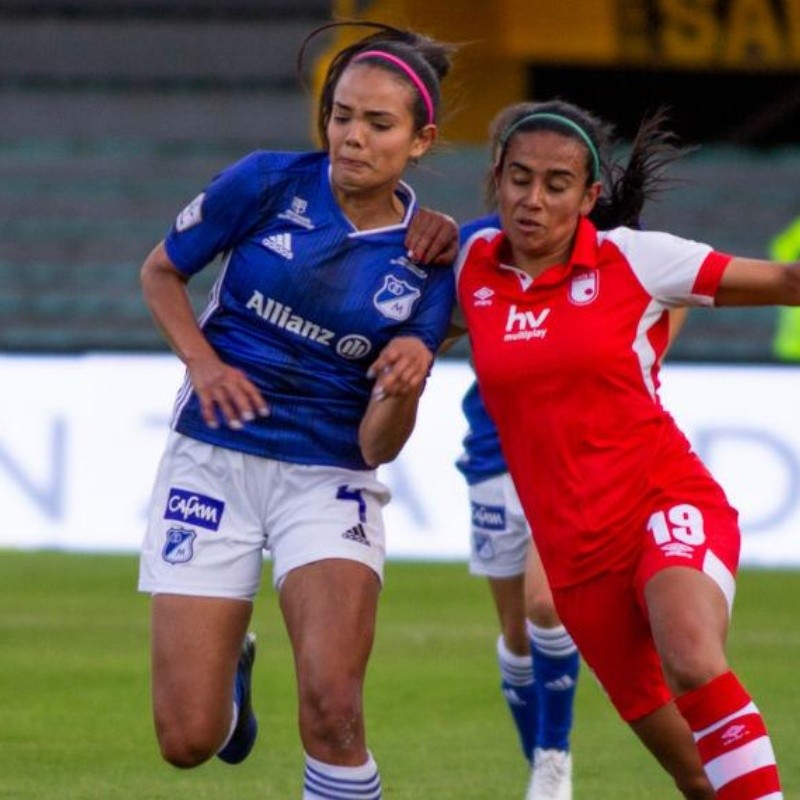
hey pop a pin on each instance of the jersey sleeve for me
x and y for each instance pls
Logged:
(675, 271)
(431, 319)
(221, 215)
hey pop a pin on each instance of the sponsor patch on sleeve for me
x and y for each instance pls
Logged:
(191, 215)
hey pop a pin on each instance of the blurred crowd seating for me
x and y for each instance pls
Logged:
(115, 113)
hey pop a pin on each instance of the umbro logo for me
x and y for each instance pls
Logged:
(356, 534)
(280, 243)
(733, 734)
(483, 296)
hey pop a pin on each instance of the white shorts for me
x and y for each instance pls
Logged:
(500, 533)
(214, 511)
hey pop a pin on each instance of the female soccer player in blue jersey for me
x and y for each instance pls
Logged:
(302, 375)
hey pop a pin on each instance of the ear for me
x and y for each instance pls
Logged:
(423, 141)
(590, 198)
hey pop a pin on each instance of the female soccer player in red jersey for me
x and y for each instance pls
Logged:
(567, 310)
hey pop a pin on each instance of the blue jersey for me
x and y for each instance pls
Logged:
(482, 457)
(303, 304)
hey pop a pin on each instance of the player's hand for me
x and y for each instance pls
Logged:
(432, 238)
(225, 391)
(401, 368)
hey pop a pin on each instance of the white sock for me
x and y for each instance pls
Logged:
(332, 782)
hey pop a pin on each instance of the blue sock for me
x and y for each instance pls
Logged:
(519, 691)
(555, 663)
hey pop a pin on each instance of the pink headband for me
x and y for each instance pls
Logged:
(415, 79)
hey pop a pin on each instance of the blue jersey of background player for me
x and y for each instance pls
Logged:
(537, 658)
(303, 305)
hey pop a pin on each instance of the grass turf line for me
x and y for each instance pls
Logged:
(74, 692)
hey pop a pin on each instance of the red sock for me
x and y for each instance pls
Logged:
(732, 740)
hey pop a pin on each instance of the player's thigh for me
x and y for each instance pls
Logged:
(195, 649)
(500, 536)
(612, 633)
(330, 608)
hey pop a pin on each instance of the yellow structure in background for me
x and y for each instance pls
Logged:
(502, 39)
(786, 344)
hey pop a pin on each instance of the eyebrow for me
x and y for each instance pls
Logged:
(555, 172)
(375, 113)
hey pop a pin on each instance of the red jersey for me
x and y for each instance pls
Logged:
(568, 368)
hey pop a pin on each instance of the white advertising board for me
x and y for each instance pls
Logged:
(81, 438)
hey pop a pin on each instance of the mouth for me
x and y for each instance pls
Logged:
(528, 226)
(351, 164)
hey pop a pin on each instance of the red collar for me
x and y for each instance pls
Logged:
(583, 255)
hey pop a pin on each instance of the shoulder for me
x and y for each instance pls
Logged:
(480, 246)
(487, 222)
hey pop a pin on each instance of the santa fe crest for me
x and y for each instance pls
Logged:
(395, 298)
(584, 287)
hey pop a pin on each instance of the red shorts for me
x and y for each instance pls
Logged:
(606, 616)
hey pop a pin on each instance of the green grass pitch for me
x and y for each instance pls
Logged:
(75, 709)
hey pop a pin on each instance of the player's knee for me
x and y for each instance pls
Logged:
(334, 717)
(541, 611)
(184, 748)
(687, 669)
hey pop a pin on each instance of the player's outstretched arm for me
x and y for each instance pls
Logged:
(400, 372)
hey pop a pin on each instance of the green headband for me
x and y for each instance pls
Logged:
(563, 121)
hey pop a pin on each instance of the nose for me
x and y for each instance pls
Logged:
(354, 135)
(533, 197)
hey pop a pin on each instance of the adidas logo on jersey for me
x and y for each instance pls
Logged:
(280, 243)
(282, 316)
(356, 534)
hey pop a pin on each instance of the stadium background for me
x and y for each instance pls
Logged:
(112, 114)
(115, 112)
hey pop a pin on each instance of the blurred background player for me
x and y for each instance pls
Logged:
(303, 375)
(537, 658)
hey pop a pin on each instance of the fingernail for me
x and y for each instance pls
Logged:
(410, 254)
(263, 411)
(379, 394)
(235, 424)
(213, 424)
(371, 373)
(248, 416)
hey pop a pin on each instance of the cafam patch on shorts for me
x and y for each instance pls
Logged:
(194, 509)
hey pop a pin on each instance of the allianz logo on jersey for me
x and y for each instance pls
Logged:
(525, 325)
(352, 345)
